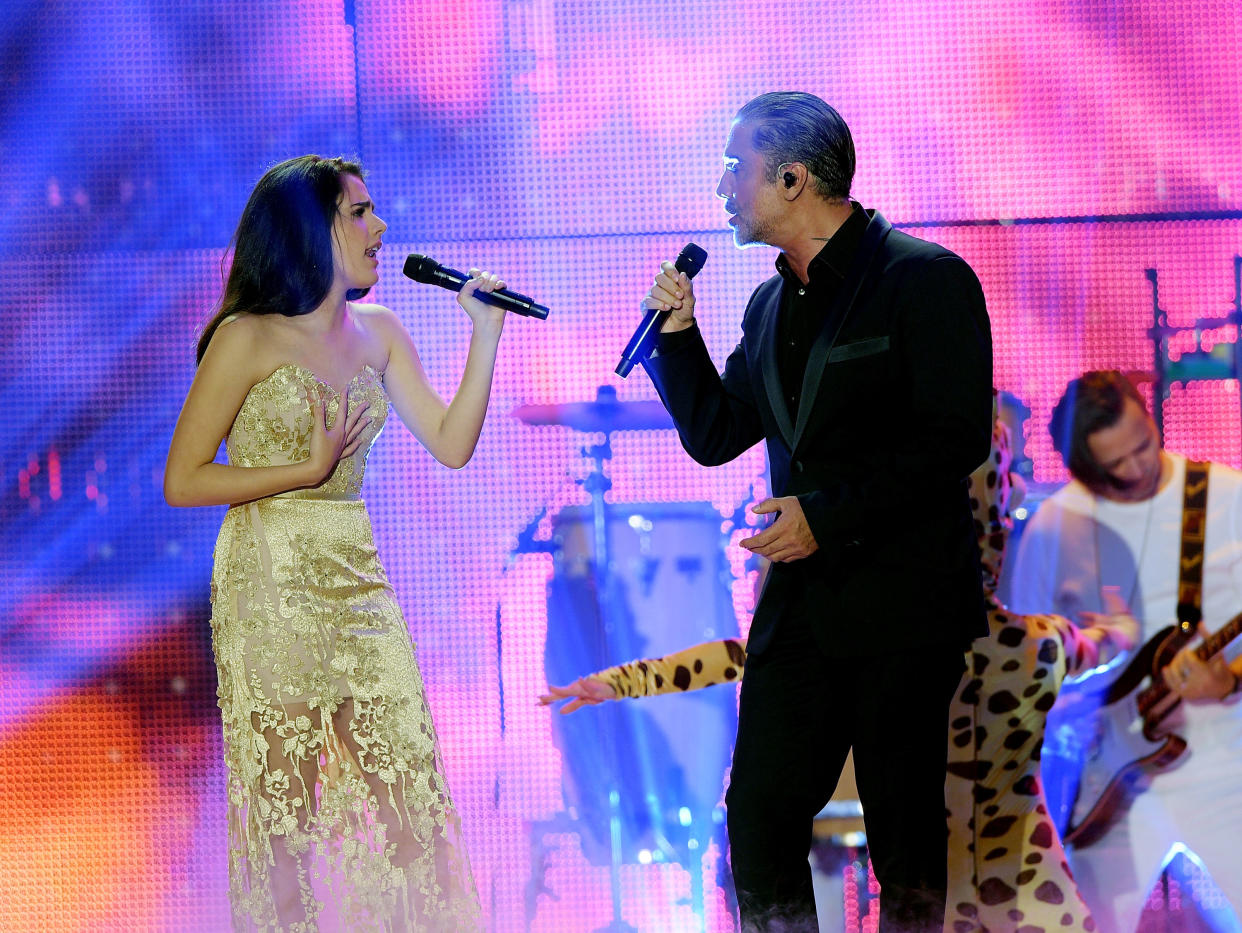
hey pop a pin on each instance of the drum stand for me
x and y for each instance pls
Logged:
(605, 415)
(596, 483)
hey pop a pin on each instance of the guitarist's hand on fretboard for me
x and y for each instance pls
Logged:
(1196, 680)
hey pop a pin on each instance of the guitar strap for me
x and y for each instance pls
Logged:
(1190, 565)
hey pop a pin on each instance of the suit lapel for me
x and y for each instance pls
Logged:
(876, 233)
(771, 375)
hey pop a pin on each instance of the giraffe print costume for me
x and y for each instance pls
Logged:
(1007, 869)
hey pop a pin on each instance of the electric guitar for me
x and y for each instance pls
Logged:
(1127, 747)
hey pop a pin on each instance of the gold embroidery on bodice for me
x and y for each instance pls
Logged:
(273, 426)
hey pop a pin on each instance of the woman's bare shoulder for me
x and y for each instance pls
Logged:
(377, 323)
(369, 315)
(244, 344)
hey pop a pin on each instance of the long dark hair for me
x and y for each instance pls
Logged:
(1092, 402)
(282, 249)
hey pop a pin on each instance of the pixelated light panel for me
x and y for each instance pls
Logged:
(571, 147)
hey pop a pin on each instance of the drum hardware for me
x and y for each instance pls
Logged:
(527, 543)
(602, 416)
(625, 579)
(605, 415)
(839, 854)
(840, 822)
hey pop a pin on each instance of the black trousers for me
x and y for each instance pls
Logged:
(800, 714)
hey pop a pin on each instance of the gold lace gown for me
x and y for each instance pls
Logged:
(338, 812)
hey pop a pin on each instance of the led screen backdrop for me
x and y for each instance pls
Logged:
(1062, 148)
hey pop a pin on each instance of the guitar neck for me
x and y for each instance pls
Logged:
(1157, 690)
(1216, 642)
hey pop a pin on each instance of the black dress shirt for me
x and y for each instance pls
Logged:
(805, 308)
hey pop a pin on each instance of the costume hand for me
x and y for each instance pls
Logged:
(328, 446)
(1197, 681)
(585, 691)
(788, 538)
(480, 312)
(671, 291)
(1115, 622)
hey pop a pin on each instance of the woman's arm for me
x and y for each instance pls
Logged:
(224, 377)
(448, 431)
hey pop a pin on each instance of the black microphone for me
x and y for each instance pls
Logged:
(425, 269)
(689, 261)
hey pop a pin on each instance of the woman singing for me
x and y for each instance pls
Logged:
(338, 811)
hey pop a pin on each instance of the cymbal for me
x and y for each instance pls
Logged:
(603, 415)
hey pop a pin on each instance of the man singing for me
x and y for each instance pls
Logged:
(865, 363)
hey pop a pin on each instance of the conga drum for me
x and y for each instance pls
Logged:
(650, 770)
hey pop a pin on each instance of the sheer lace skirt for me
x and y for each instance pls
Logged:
(339, 816)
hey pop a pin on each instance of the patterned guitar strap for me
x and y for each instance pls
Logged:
(1190, 564)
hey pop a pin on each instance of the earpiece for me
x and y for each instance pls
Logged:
(790, 179)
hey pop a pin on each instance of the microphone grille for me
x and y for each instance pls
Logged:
(691, 259)
(420, 268)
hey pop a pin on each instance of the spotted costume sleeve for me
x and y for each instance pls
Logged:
(703, 665)
(1073, 640)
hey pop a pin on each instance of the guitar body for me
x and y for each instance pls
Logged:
(1125, 747)
(1118, 768)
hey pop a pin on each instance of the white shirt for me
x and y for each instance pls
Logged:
(1077, 542)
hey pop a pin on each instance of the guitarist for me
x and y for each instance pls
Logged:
(1125, 520)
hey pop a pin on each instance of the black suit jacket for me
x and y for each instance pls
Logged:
(895, 412)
